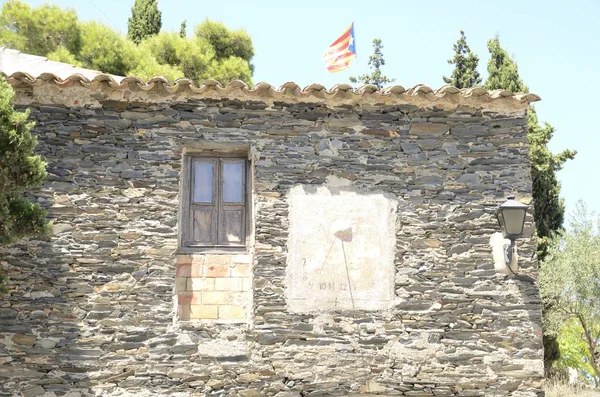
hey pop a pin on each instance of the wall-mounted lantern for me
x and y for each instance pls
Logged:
(511, 217)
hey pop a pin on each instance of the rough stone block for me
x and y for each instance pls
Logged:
(183, 270)
(183, 312)
(197, 259)
(196, 270)
(46, 343)
(372, 387)
(428, 129)
(184, 297)
(250, 393)
(248, 378)
(383, 133)
(241, 270)
(246, 259)
(33, 391)
(425, 243)
(187, 298)
(217, 260)
(181, 283)
(217, 270)
(201, 284)
(246, 284)
(231, 312)
(25, 340)
(228, 284)
(198, 312)
(220, 297)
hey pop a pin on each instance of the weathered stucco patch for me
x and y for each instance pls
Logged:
(497, 243)
(341, 251)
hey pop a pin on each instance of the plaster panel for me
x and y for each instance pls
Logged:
(340, 251)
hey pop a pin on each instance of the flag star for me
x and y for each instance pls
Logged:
(351, 40)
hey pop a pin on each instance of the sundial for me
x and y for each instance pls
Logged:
(341, 252)
(341, 231)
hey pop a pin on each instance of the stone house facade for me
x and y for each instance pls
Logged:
(231, 241)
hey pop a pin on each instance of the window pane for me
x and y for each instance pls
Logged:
(233, 182)
(203, 182)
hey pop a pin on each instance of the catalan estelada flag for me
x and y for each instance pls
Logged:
(340, 52)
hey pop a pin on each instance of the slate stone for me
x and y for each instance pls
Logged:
(469, 178)
(6, 313)
(25, 340)
(92, 307)
(410, 147)
(33, 391)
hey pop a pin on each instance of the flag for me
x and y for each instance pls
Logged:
(340, 52)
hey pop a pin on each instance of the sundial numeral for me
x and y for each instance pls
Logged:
(329, 286)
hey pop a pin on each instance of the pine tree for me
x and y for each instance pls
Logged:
(549, 209)
(226, 43)
(20, 169)
(39, 30)
(465, 74)
(215, 52)
(503, 72)
(376, 61)
(145, 20)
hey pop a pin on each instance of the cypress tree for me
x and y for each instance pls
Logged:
(145, 20)
(183, 29)
(549, 208)
(465, 74)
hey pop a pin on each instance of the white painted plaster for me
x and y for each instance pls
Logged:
(497, 242)
(337, 241)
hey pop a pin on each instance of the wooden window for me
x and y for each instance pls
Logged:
(214, 208)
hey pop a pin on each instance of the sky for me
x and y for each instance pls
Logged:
(556, 45)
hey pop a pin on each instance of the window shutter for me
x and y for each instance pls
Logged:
(232, 202)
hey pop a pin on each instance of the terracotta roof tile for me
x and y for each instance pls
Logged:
(159, 89)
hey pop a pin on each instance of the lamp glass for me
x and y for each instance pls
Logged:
(514, 221)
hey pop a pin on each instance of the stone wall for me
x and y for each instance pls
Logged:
(106, 306)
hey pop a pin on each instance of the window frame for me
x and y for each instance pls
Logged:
(186, 194)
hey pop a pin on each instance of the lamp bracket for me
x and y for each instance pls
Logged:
(509, 250)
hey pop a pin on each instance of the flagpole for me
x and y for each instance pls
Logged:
(355, 53)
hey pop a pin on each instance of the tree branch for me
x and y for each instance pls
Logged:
(591, 348)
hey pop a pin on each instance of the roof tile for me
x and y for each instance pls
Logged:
(159, 89)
